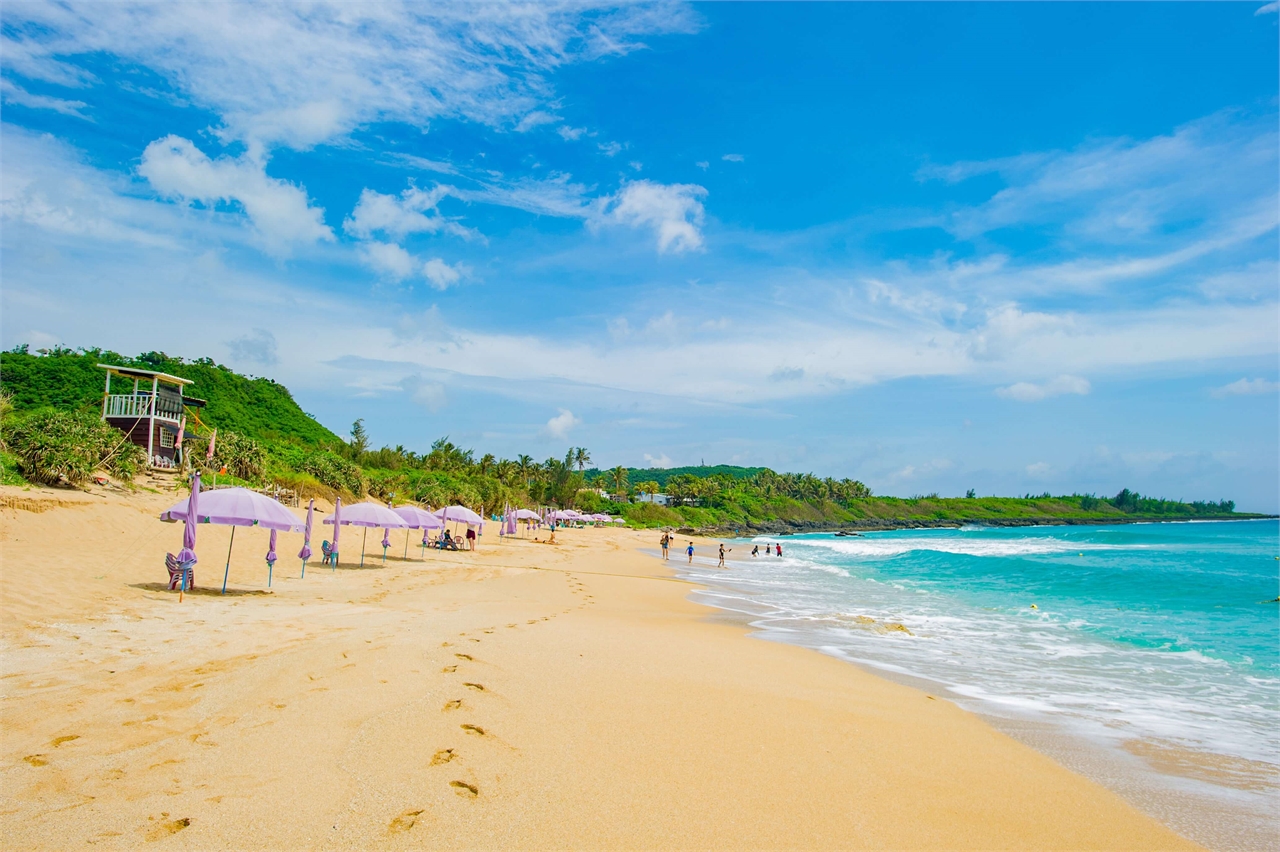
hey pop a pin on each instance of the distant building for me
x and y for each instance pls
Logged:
(656, 499)
(150, 413)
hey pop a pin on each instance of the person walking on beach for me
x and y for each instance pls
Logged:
(722, 553)
(689, 550)
(471, 538)
(666, 545)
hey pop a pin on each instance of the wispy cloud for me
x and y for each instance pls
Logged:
(673, 211)
(12, 93)
(1246, 387)
(733, 158)
(303, 74)
(1031, 392)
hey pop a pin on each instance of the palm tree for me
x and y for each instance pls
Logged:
(621, 483)
(581, 457)
(525, 465)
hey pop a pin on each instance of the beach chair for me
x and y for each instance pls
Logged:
(176, 571)
(327, 550)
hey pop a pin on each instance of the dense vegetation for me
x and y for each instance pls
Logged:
(51, 433)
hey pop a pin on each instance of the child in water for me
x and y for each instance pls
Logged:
(689, 550)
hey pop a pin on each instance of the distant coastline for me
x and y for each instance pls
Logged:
(784, 527)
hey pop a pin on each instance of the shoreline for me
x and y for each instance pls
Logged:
(784, 528)
(526, 695)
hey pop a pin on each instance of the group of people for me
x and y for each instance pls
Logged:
(667, 540)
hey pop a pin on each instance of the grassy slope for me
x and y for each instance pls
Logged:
(258, 408)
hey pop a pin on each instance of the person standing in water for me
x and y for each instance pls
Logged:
(779, 548)
(722, 553)
(689, 550)
(755, 551)
(666, 545)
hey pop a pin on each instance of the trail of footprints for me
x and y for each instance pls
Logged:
(465, 789)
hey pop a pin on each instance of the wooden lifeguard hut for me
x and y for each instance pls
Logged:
(151, 413)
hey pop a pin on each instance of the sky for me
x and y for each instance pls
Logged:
(1013, 248)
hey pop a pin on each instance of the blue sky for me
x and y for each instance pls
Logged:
(1009, 247)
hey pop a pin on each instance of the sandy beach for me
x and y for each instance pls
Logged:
(523, 696)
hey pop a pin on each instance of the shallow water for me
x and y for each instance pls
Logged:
(1152, 652)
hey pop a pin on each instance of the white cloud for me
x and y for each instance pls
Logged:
(609, 149)
(388, 259)
(430, 395)
(1244, 387)
(660, 461)
(1268, 9)
(537, 118)
(558, 427)
(703, 164)
(636, 164)
(14, 94)
(1030, 392)
(570, 134)
(256, 347)
(1038, 470)
(279, 211)
(413, 211)
(300, 74)
(442, 275)
(733, 158)
(673, 211)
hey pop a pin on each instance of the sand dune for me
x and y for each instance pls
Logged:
(525, 696)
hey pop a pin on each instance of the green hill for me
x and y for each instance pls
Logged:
(69, 379)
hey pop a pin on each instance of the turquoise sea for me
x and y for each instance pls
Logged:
(1156, 646)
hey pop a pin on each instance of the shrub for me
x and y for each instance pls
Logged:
(243, 457)
(66, 447)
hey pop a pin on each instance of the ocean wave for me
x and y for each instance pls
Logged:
(882, 548)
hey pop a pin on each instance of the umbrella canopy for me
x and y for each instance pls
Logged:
(368, 515)
(305, 553)
(418, 519)
(459, 514)
(619, 520)
(238, 507)
(527, 515)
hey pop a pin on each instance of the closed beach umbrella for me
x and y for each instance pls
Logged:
(271, 557)
(337, 528)
(234, 507)
(386, 542)
(187, 555)
(305, 553)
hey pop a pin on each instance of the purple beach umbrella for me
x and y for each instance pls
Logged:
(305, 553)
(271, 557)
(337, 528)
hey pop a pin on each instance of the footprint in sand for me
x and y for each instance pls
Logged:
(444, 755)
(478, 687)
(474, 729)
(60, 740)
(462, 788)
(36, 759)
(449, 669)
(465, 657)
(404, 822)
(455, 704)
(165, 827)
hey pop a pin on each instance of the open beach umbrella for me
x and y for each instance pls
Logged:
(234, 507)
(365, 515)
(305, 553)
(417, 518)
(460, 514)
(271, 557)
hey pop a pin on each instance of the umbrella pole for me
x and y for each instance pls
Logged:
(304, 569)
(363, 542)
(227, 572)
(271, 567)
(406, 545)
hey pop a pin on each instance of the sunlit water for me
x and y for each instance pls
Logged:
(1155, 642)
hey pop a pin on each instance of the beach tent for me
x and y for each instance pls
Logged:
(235, 507)
(368, 515)
(417, 518)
